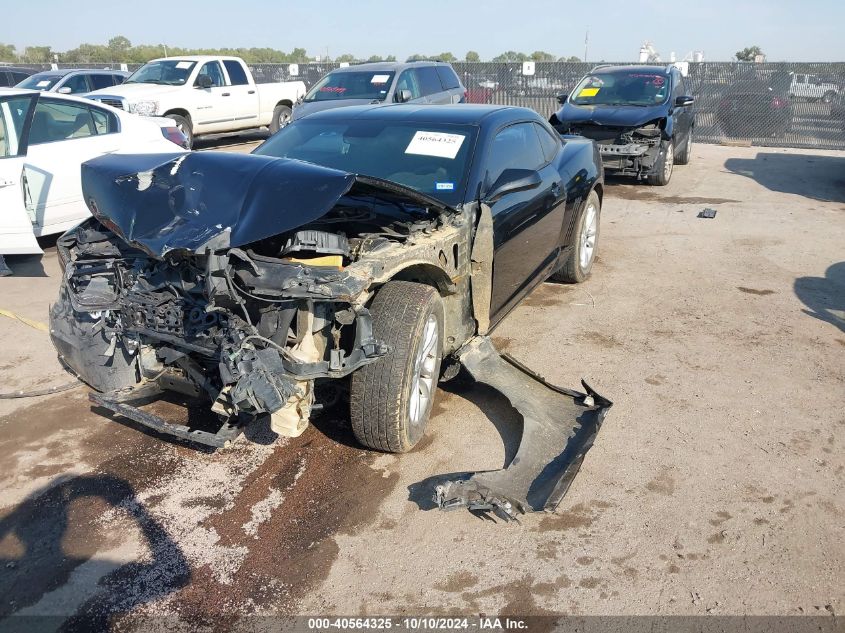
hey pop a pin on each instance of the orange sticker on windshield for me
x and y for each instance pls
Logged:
(588, 92)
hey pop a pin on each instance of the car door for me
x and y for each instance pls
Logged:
(526, 224)
(409, 80)
(75, 84)
(682, 115)
(16, 234)
(431, 87)
(215, 110)
(243, 95)
(64, 134)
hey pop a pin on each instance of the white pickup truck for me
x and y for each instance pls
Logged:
(204, 95)
(813, 88)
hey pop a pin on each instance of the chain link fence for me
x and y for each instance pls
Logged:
(770, 104)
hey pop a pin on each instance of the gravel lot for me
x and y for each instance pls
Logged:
(716, 486)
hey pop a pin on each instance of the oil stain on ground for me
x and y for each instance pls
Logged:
(754, 291)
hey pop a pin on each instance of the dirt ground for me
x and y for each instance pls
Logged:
(716, 486)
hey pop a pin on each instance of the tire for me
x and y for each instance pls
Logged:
(578, 265)
(683, 157)
(281, 117)
(383, 394)
(184, 124)
(664, 165)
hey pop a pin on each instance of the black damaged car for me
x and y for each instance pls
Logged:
(375, 241)
(641, 118)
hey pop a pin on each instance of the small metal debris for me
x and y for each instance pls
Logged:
(707, 213)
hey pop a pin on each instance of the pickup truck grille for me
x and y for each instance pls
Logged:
(114, 102)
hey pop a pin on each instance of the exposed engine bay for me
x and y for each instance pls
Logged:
(624, 150)
(243, 299)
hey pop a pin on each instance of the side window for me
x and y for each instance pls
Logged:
(408, 81)
(515, 147)
(60, 121)
(549, 143)
(18, 77)
(101, 81)
(118, 79)
(78, 84)
(12, 118)
(104, 122)
(213, 70)
(429, 80)
(448, 77)
(237, 75)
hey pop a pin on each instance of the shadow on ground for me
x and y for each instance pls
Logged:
(813, 176)
(825, 296)
(51, 578)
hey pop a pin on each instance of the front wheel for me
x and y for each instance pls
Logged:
(683, 157)
(391, 399)
(184, 125)
(662, 170)
(281, 117)
(579, 263)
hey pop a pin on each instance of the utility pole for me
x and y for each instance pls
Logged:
(586, 42)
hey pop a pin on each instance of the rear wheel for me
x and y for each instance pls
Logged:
(281, 117)
(683, 157)
(184, 125)
(578, 265)
(662, 171)
(391, 399)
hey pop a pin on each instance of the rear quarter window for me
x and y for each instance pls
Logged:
(448, 78)
(101, 81)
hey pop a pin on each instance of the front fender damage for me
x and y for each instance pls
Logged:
(560, 426)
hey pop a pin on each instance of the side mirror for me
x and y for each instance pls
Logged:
(65, 90)
(684, 101)
(204, 81)
(511, 181)
(561, 99)
(403, 96)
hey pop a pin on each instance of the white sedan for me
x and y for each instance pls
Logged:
(44, 139)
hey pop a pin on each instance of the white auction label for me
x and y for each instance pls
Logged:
(379, 79)
(440, 144)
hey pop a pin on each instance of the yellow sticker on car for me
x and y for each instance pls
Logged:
(588, 92)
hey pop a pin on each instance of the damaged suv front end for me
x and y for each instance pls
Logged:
(247, 310)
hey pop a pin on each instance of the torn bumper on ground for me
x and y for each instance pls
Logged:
(560, 426)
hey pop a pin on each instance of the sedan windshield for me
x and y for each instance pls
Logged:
(634, 88)
(40, 81)
(372, 85)
(432, 158)
(171, 72)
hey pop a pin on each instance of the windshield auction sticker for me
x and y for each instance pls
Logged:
(588, 92)
(379, 79)
(440, 144)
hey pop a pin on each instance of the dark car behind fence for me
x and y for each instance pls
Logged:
(769, 104)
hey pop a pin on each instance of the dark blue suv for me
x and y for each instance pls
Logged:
(640, 117)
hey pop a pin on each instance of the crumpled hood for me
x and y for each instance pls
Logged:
(165, 202)
(622, 116)
(304, 109)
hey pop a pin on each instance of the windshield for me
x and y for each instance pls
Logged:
(372, 85)
(40, 81)
(434, 159)
(634, 88)
(170, 72)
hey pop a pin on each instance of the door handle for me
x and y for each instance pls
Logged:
(251, 92)
(226, 94)
(6, 183)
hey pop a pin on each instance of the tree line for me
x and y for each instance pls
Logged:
(120, 49)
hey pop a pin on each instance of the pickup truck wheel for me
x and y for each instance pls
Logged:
(578, 265)
(390, 399)
(662, 171)
(185, 127)
(281, 117)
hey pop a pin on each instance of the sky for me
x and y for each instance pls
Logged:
(786, 30)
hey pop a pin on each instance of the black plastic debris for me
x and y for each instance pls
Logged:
(708, 214)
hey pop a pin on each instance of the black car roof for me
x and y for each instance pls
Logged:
(460, 114)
